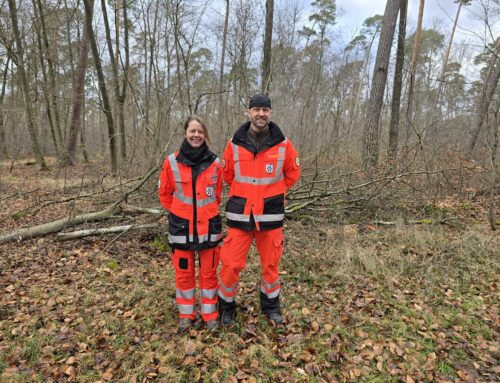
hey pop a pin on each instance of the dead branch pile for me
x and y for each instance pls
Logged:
(319, 193)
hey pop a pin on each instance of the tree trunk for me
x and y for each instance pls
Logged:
(268, 40)
(3, 145)
(51, 85)
(78, 98)
(371, 131)
(413, 65)
(102, 88)
(221, 113)
(494, 169)
(484, 100)
(30, 116)
(123, 94)
(398, 83)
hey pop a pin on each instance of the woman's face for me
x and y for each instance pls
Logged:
(194, 134)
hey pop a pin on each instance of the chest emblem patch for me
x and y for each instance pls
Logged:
(210, 191)
(269, 168)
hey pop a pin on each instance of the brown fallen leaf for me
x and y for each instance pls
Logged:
(163, 370)
(71, 360)
(312, 369)
(190, 348)
(70, 371)
(108, 375)
(240, 375)
(10, 371)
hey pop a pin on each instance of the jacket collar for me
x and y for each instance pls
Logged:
(275, 136)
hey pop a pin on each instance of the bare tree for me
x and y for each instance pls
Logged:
(486, 95)
(398, 82)
(49, 76)
(78, 97)
(19, 60)
(102, 87)
(268, 40)
(371, 131)
(413, 64)
(3, 146)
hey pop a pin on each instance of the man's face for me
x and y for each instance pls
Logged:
(259, 117)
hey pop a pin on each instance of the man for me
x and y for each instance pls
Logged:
(259, 164)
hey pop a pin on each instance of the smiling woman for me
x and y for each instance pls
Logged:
(190, 188)
(196, 131)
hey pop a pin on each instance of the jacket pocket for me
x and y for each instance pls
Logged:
(178, 227)
(236, 205)
(215, 225)
(278, 248)
(274, 204)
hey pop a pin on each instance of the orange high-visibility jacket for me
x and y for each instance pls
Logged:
(194, 222)
(259, 180)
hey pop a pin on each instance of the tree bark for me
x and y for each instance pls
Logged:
(398, 83)
(51, 84)
(58, 225)
(78, 98)
(413, 65)
(105, 230)
(268, 40)
(487, 92)
(123, 94)
(371, 131)
(3, 144)
(102, 88)
(30, 115)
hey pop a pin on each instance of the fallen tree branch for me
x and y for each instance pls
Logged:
(63, 223)
(105, 230)
(60, 224)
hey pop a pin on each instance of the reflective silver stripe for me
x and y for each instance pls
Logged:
(208, 293)
(208, 308)
(176, 238)
(258, 181)
(272, 295)
(215, 237)
(179, 193)
(186, 309)
(201, 238)
(185, 294)
(268, 286)
(206, 201)
(228, 289)
(227, 299)
(269, 217)
(238, 217)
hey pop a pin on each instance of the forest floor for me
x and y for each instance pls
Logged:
(362, 302)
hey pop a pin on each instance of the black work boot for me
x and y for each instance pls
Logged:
(275, 317)
(226, 312)
(271, 307)
(184, 325)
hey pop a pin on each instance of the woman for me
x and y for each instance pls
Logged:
(190, 188)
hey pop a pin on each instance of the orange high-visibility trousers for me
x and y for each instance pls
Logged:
(233, 257)
(185, 283)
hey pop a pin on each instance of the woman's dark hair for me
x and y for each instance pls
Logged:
(202, 123)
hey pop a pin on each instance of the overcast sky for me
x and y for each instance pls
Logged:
(352, 13)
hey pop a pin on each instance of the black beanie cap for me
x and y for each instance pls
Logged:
(259, 100)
